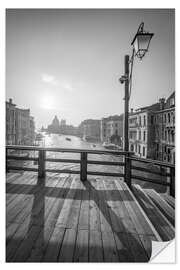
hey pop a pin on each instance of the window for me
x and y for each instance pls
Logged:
(144, 151)
(140, 120)
(144, 120)
(139, 149)
(169, 118)
(139, 135)
(152, 119)
(132, 148)
(116, 124)
(172, 136)
(144, 136)
(164, 118)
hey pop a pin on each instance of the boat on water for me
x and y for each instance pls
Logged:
(68, 139)
(90, 139)
(111, 146)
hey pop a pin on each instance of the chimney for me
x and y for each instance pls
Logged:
(10, 100)
(162, 103)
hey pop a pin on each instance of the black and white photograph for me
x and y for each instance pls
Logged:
(89, 134)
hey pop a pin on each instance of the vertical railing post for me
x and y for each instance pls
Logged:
(7, 170)
(41, 164)
(172, 182)
(127, 169)
(83, 172)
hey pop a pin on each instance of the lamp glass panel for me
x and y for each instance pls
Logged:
(143, 41)
(135, 44)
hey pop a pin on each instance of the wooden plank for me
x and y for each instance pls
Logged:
(68, 245)
(113, 205)
(15, 242)
(64, 214)
(10, 231)
(137, 248)
(165, 208)
(24, 250)
(95, 246)
(94, 216)
(169, 199)
(105, 219)
(123, 248)
(73, 218)
(121, 210)
(54, 245)
(81, 248)
(18, 187)
(83, 223)
(161, 224)
(109, 247)
(40, 245)
(139, 218)
(42, 241)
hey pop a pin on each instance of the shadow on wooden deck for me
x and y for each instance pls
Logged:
(124, 246)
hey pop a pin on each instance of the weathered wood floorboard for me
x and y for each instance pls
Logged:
(61, 219)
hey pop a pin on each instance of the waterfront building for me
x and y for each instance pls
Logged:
(23, 126)
(90, 129)
(112, 129)
(32, 130)
(142, 131)
(20, 127)
(10, 122)
(164, 122)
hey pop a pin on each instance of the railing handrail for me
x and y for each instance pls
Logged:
(152, 161)
(127, 164)
(68, 150)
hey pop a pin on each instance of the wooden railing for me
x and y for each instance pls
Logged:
(128, 164)
(83, 161)
(166, 170)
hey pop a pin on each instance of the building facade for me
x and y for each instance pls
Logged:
(90, 129)
(23, 126)
(142, 131)
(10, 122)
(164, 122)
(20, 127)
(112, 129)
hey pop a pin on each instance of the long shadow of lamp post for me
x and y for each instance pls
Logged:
(140, 46)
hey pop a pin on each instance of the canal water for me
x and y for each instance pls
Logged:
(64, 141)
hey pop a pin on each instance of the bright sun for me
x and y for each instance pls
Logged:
(47, 102)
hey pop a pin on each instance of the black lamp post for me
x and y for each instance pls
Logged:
(140, 45)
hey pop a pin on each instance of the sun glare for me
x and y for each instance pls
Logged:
(47, 102)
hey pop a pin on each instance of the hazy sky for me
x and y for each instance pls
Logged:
(67, 62)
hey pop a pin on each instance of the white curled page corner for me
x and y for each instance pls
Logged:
(163, 252)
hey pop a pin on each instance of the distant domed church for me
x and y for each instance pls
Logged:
(54, 127)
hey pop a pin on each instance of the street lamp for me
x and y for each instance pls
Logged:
(140, 46)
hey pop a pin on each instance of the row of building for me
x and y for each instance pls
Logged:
(20, 127)
(152, 130)
(109, 129)
(60, 127)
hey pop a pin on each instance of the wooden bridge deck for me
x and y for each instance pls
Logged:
(61, 219)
